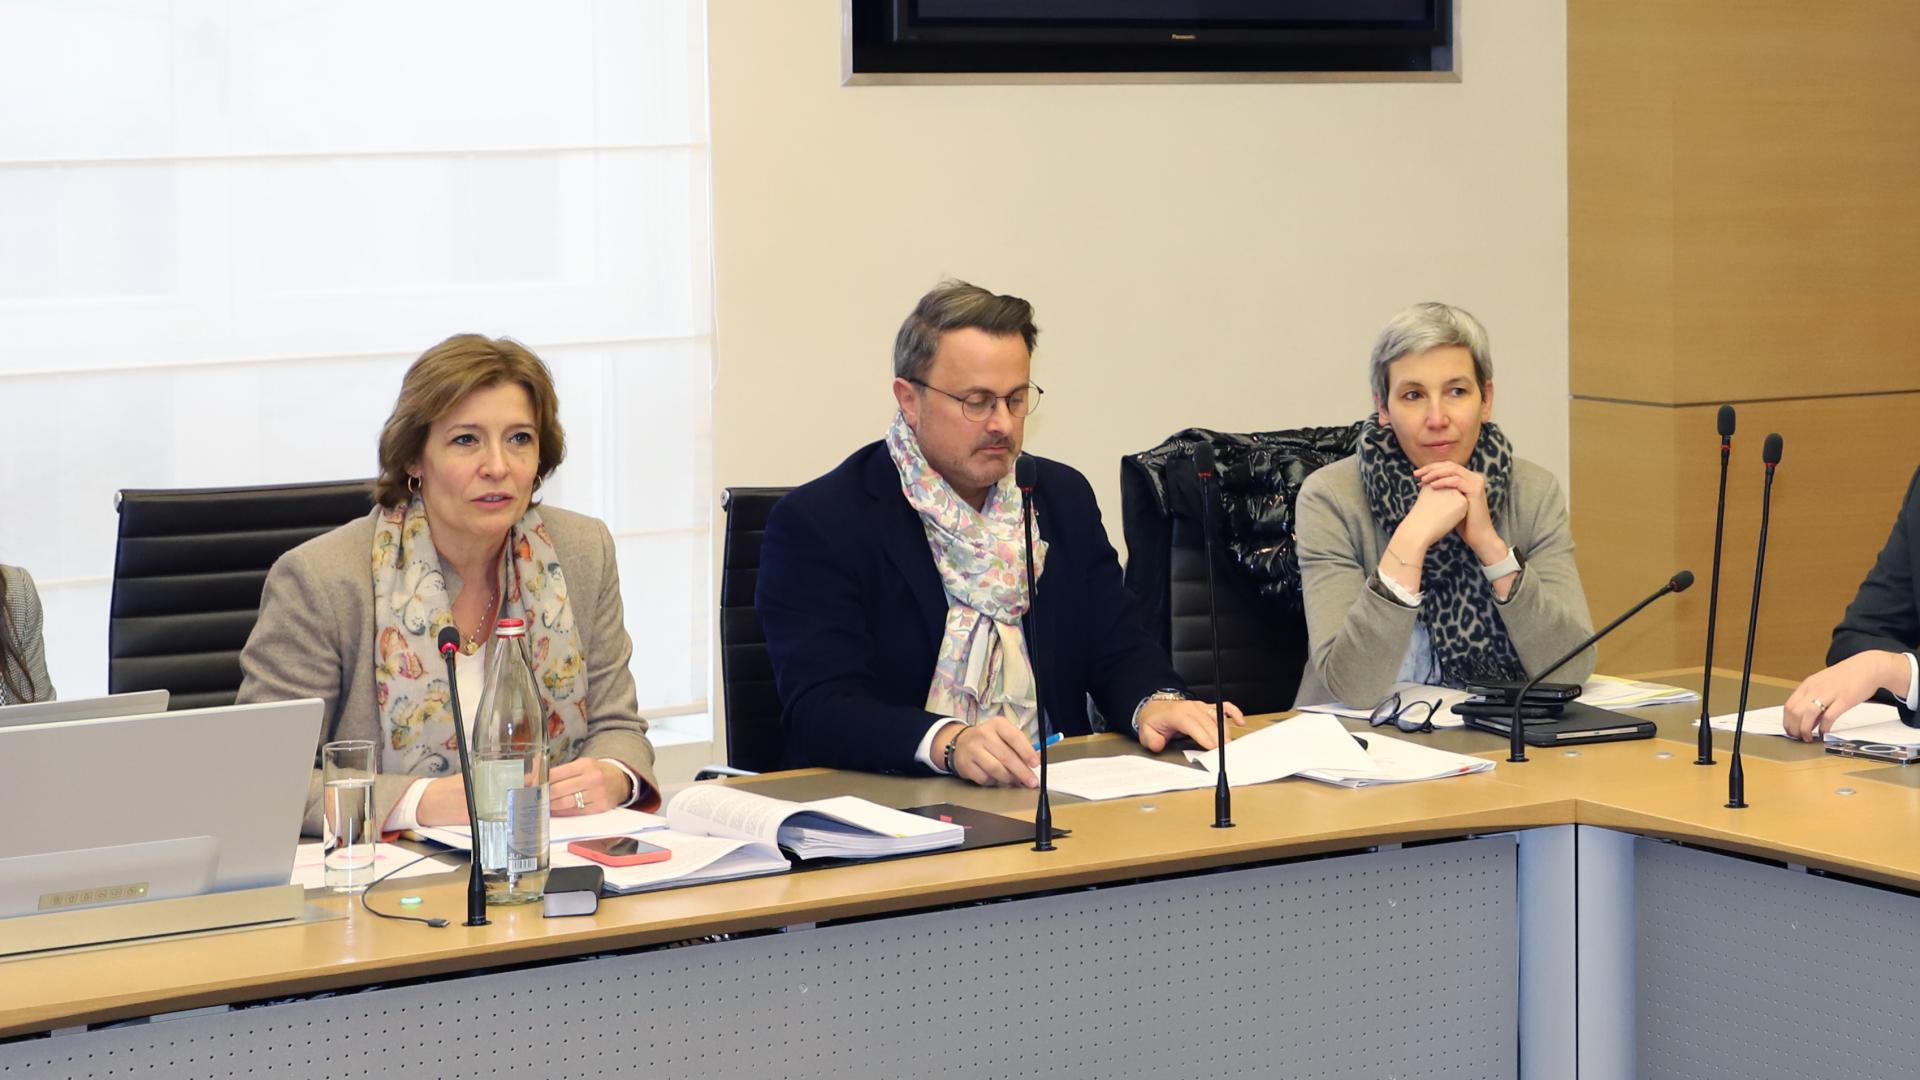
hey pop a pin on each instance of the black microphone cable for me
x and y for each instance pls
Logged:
(375, 883)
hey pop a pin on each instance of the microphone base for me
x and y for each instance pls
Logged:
(1707, 760)
(1043, 845)
(1517, 758)
(1736, 804)
(481, 921)
(1223, 824)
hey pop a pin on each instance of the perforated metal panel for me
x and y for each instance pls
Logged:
(1394, 964)
(1750, 972)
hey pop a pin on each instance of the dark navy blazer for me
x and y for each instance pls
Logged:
(854, 610)
(1885, 614)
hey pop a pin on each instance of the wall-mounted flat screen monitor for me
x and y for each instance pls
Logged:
(1150, 35)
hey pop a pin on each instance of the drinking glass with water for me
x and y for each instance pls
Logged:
(349, 832)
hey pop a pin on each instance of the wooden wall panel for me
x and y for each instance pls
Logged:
(1643, 499)
(1620, 229)
(1797, 155)
(1740, 182)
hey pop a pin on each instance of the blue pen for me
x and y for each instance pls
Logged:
(1051, 739)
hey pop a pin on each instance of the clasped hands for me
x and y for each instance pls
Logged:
(997, 753)
(1453, 498)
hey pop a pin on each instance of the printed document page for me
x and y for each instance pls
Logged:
(1126, 775)
(1772, 721)
(1314, 741)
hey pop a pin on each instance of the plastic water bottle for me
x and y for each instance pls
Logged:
(510, 773)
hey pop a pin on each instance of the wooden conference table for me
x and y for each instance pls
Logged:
(1397, 931)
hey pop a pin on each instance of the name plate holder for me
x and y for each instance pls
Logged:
(141, 921)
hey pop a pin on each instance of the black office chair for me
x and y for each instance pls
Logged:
(1263, 628)
(188, 571)
(746, 672)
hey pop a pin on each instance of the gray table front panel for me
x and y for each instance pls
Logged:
(1748, 971)
(1399, 963)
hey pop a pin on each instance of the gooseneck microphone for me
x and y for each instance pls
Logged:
(1713, 595)
(1023, 478)
(1736, 774)
(1203, 467)
(1517, 746)
(476, 889)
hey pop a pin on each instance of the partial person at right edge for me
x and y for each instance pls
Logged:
(23, 651)
(892, 588)
(1876, 648)
(1434, 555)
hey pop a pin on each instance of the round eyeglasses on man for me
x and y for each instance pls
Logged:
(979, 404)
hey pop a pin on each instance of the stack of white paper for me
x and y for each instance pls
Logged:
(1126, 775)
(844, 826)
(695, 859)
(1772, 721)
(1399, 761)
(1443, 717)
(850, 827)
(1291, 746)
(562, 830)
(1608, 692)
(310, 872)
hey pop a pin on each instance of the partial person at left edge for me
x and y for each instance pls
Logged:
(23, 651)
(352, 617)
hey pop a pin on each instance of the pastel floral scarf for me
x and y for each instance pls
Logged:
(410, 605)
(982, 669)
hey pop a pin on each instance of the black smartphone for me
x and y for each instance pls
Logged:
(1546, 692)
(1504, 710)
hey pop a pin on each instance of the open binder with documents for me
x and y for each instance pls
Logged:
(718, 832)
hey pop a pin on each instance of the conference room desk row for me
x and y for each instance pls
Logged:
(1595, 912)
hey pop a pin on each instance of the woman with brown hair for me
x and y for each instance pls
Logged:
(23, 655)
(352, 617)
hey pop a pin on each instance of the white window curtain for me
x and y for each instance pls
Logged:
(227, 226)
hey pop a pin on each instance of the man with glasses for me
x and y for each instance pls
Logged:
(892, 588)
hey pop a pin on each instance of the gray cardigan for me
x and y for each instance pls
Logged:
(24, 621)
(315, 638)
(1357, 637)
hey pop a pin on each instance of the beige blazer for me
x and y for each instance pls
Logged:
(315, 638)
(1357, 636)
(24, 620)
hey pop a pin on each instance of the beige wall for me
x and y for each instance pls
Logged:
(1215, 255)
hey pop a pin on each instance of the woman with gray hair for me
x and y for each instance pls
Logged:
(1433, 555)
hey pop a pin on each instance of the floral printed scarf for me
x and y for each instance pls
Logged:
(410, 605)
(982, 669)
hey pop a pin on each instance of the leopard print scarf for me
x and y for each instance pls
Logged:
(1470, 641)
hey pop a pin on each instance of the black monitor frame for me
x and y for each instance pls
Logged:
(891, 37)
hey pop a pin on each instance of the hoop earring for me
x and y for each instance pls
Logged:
(413, 485)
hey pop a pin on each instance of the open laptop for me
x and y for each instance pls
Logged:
(174, 804)
(86, 708)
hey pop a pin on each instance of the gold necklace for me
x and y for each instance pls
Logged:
(471, 642)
